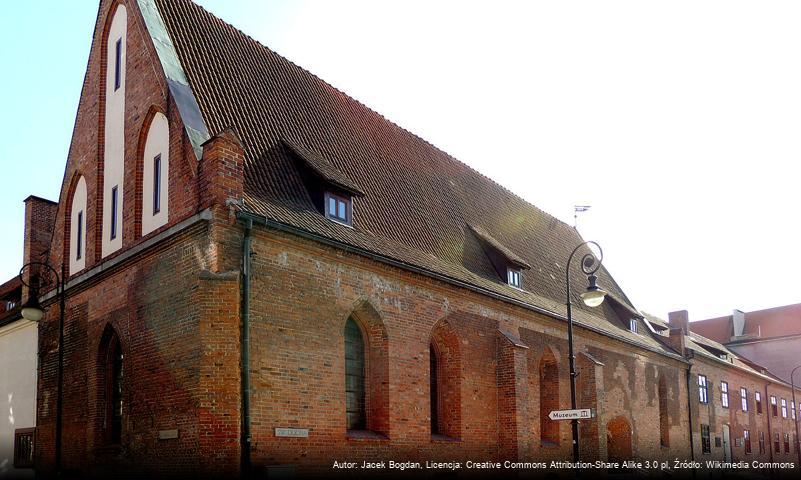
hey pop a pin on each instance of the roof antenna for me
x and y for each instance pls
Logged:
(576, 210)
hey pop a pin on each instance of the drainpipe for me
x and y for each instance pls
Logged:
(245, 360)
(690, 414)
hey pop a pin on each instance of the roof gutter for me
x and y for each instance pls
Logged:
(262, 220)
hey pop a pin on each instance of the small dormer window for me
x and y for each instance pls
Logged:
(633, 325)
(514, 277)
(338, 208)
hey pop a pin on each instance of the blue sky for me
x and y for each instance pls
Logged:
(677, 121)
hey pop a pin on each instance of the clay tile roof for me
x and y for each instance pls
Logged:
(418, 200)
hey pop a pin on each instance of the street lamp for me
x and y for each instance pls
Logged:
(592, 297)
(795, 414)
(33, 311)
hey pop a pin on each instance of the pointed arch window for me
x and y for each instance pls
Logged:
(354, 377)
(77, 228)
(113, 374)
(155, 174)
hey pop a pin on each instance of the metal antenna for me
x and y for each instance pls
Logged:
(576, 210)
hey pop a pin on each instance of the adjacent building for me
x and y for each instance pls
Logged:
(770, 337)
(263, 273)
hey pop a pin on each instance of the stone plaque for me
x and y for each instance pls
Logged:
(292, 432)
(168, 434)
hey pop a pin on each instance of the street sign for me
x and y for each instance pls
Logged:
(577, 414)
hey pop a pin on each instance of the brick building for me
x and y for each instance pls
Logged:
(770, 337)
(255, 259)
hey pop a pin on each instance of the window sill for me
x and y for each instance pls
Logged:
(437, 438)
(366, 435)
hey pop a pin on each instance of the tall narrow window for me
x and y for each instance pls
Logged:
(114, 203)
(79, 237)
(758, 401)
(792, 409)
(354, 377)
(112, 390)
(633, 325)
(118, 64)
(784, 408)
(776, 445)
(774, 407)
(706, 442)
(157, 184)
(761, 442)
(703, 392)
(724, 394)
(744, 398)
(786, 443)
(747, 441)
(433, 391)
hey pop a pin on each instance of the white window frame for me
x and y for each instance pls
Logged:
(784, 408)
(514, 277)
(744, 398)
(703, 389)
(724, 394)
(633, 325)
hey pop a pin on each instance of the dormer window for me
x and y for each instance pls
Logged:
(338, 208)
(514, 277)
(633, 325)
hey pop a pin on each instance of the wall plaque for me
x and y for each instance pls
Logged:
(168, 434)
(292, 432)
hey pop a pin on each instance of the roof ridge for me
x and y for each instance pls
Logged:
(371, 110)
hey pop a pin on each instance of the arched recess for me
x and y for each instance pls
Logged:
(664, 422)
(110, 391)
(618, 440)
(154, 168)
(113, 129)
(549, 397)
(75, 244)
(370, 343)
(445, 385)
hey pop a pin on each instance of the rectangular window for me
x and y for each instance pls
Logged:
(786, 443)
(703, 392)
(513, 277)
(706, 444)
(744, 399)
(118, 65)
(773, 406)
(633, 325)
(724, 394)
(761, 442)
(114, 212)
(79, 237)
(23, 447)
(747, 441)
(776, 445)
(784, 408)
(338, 208)
(157, 184)
(758, 401)
(792, 409)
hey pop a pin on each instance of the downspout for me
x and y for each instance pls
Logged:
(245, 360)
(690, 415)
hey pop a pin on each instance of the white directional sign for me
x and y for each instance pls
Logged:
(577, 414)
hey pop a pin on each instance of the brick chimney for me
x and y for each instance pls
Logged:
(222, 169)
(680, 319)
(40, 218)
(679, 323)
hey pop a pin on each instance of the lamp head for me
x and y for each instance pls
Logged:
(32, 310)
(594, 295)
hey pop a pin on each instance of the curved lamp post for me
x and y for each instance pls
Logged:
(795, 414)
(592, 297)
(34, 312)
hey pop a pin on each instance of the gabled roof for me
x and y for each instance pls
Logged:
(418, 200)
